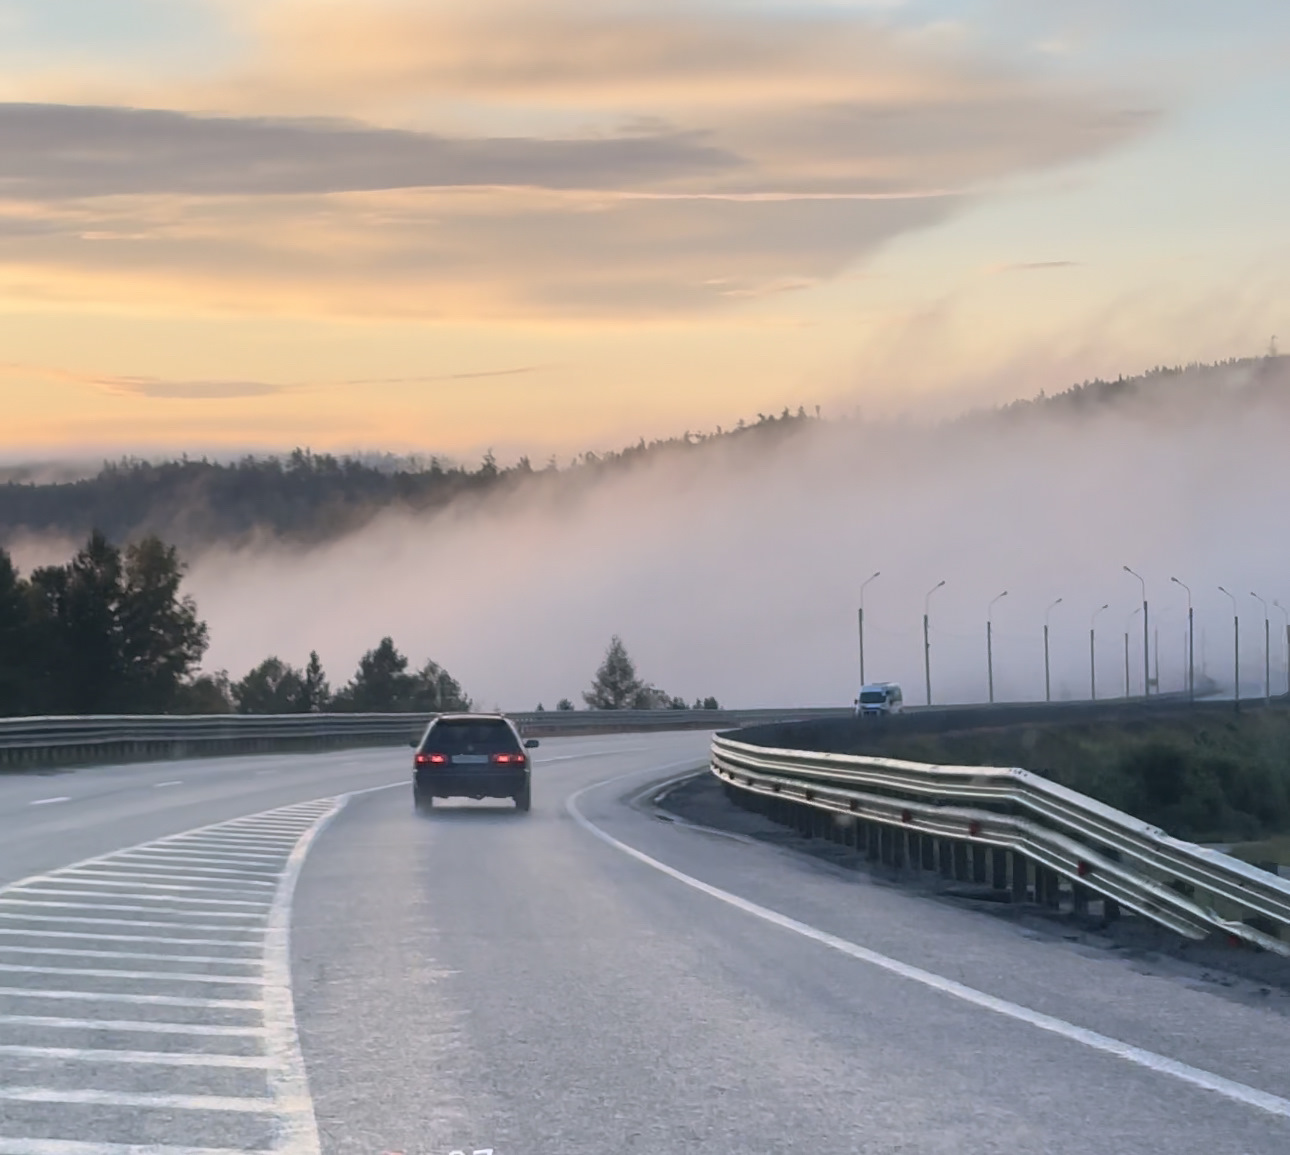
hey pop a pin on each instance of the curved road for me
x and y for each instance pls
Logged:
(583, 980)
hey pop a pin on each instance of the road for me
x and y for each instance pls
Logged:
(583, 980)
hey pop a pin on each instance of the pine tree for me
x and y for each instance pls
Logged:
(616, 686)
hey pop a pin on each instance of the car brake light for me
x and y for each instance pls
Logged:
(510, 759)
(431, 759)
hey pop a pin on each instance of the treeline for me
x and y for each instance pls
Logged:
(110, 632)
(303, 497)
(382, 684)
(107, 633)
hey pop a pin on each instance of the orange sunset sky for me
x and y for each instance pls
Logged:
(232, 225)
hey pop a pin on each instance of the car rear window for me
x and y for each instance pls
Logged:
(471, 737)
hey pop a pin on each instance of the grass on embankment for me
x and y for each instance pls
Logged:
(1204, 776)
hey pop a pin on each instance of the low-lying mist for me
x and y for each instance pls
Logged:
(735, 569)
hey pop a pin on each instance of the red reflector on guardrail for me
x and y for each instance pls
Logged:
(974, 828)
(1084, 869)
(906, 816)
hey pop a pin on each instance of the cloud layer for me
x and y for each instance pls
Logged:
(633, 161)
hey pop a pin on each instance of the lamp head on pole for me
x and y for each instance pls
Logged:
(928, 599)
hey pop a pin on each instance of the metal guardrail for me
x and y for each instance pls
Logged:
(951, 817)
(37, 741)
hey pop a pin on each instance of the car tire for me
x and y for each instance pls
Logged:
(523, 799)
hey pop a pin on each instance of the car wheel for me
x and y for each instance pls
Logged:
(523, 798)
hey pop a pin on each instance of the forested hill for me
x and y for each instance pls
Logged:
(306, 497)
(309, 497)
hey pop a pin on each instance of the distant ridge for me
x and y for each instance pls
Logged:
(308, 498)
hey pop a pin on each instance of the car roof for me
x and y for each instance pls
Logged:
(470, 717)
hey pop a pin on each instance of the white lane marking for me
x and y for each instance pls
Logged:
(139, 1099)
(27, 918)
(1139, 1056)
(94, 889)
(201, 857)
(139, 1026)
(114, 997)
(44, 902)
(161, 785)
(74, 1147)
(152, 976)
(49, 801)
(139, 878)
(97, 937)
(151, 1058)
(138, 955)
(288, 1079)
(192, 867)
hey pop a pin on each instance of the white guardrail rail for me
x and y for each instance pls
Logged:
(1010, 828)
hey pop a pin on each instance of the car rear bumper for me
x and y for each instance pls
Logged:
(484, 782)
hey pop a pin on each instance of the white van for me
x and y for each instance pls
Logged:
(879, 699)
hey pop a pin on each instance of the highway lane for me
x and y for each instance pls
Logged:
(50, 818)
(478, 980)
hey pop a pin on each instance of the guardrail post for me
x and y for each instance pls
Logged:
(928, 844)
(1110, 910)
(999, 868)
(1020, 877)
(945, 847)
(978, 863)
(1079, 898)
(961, 872)
(874, 834)
(897, 848)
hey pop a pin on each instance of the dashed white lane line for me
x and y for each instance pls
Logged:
(1138, 1056)
(150, 976)
(148, 1058)
(138, 1099)
(49, 801)
(137, 955)
(162, 785)
(121, 997)
(74, 1147)
(224, 890)
(140, 1026)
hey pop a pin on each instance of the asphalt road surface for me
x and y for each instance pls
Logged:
(586, 979)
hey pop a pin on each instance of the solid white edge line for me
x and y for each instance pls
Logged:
(1160, 1064)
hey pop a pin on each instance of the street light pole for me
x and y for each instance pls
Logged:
(1127, 625)
(927, 639)
(1092, 653)
(1191, 643)
(1048, 684)
(989, 642)
(1146, 636)
(1267, 651)
(1285, 614)
(877, 573)
(1236, 649)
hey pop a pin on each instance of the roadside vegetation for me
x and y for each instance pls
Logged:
(110, 632)
(1203, 776)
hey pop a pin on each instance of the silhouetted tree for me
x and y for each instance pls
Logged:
(381, 684)
(315, 693)
(616, 686)
(564, 704)
(273, 687)
(15, 650)
(435, 690)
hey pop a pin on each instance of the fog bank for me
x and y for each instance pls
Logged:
(734, 569)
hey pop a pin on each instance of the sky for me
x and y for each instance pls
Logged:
(544, 227)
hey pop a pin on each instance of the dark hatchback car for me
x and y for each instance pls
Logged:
(471, 756)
